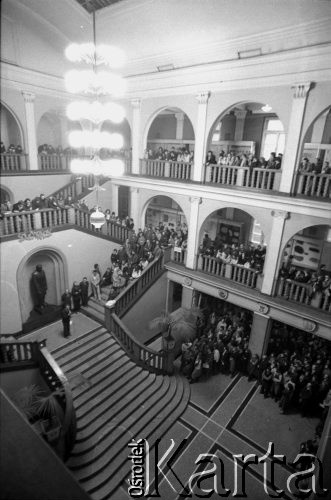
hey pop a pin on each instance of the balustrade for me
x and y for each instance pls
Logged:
(13, 162)
(178, 255)
(144, 356)
(234, 272)
(314, 185)
(257, 178)
(303, 293)
(166, 169)
(54, 217)
(14, 353)
(17, 222)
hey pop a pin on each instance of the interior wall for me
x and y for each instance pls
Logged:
(163, 127)
(30, 186)
(228, 127)
(253, 131)
(9, 130)
(77, 263)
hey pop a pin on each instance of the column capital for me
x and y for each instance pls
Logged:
(136, 103)
(280, 214)
(28, 96)
(203, 97)
(195, 200)
(179, 116)
(134, 190)
(300, 90)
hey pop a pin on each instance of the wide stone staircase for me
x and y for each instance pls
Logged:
(95, 309)
(115, 401)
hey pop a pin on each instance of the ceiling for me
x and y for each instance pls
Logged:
(93, 5)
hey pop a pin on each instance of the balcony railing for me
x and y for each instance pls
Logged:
(166, 169)
(313, 185)
(11, 163)
(143, 356)
(257, 178)
(303, 293)
(76, 188)
(234, 272)
(178, 255)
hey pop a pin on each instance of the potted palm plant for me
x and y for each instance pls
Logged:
(42, 410)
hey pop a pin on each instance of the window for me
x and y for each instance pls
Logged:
(273, 137)
(217, 133)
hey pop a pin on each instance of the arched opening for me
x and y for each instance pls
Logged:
(172, 131)
(54, 267)
(165, 211)
(5, 196)
(305, 273)
(248, 128)
(317, 143)
(231, 245)
(11, 134)
(53, 130)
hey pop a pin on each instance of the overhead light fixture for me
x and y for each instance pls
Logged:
(266, 108)
(95, 82)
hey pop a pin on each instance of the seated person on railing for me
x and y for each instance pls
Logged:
(173, 155)
(210, 158)
(19, 206)
(11, 149)
(27, 205)
(326, 168)
(316, 168)
(160, 154)
(273, 163)
(305, 166)
(43, 149)
(118, 280)
(106, 278)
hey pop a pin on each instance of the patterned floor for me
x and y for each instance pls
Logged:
(225, 417)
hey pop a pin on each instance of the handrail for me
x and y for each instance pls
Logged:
(167, 169)
(132, 292)
(313, 185)
(257, 178)
(234, 272)
(13, 162)
(143, 356)
(55, 378)
(303, 293)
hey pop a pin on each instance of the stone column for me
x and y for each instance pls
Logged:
(187, 294)
(192, 242)
(135, 135)
(29, 98)
(200, 137)
(240, 124)
(292, 149)
(179, 125)
(272, 260)
(114, 198)
(134, 208)
(260, 333)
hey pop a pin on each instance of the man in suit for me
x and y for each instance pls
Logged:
(84, 285)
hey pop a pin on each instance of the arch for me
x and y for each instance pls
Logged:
(49, 129)
(6, 195)
(19, 133)
(307, 253)
(254, 107)
(147, 202)
(156, 113)
(308, 137)
(56, 269)
(237, 219)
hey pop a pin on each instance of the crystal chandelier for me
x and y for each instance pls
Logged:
(94, 83)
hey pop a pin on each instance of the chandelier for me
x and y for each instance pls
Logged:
(95, 82)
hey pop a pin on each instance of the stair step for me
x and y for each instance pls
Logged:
(107, 396)
(105, 467)
(121, 467)
(118, 408)
(111, 444)
(79, 349)
(98, 306)
(97, 375)
(98, 350)
(94, 314)
(56, 353)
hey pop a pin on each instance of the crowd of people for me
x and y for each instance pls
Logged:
(319, 281)
(250, 256)
(244, 160)
(11, 149)
(295, 371)
(306, 166)
(183, 155)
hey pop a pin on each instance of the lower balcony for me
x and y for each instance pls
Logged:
(303, 293)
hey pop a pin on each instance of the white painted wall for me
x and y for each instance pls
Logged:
(29, 186)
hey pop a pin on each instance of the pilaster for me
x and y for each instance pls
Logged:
(292, 149)
(193, 232)
(200, 136)
(134, 207)
(29, 99)
(240, 124)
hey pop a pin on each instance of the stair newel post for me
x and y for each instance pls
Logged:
(71, 215)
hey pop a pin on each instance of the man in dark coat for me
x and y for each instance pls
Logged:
(84, 291)
(76, 294)
(39, 284)
(66, 298)
(66, 314)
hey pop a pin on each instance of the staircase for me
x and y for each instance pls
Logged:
(95, 309)
(115, 401)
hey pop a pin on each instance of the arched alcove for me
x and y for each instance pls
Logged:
(11, 130)
(309, 248)
(248, 127)
(163, 209)
(54, 127)
(5, 195)
(53, 264)
(169, 127)
(317, 140)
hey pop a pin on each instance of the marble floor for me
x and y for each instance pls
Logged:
(225, 417)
